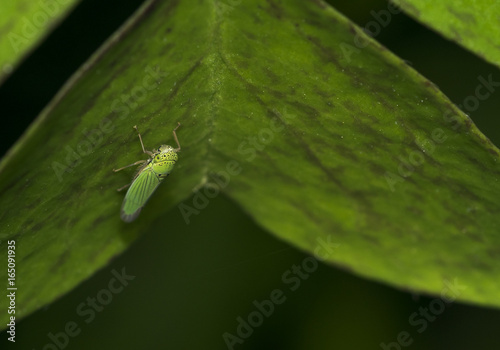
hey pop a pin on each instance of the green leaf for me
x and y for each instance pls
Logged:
(319, 133)
(23, 25)
(472, 24)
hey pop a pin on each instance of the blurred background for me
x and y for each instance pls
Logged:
(195, 283)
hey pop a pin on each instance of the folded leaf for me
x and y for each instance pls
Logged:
(319, 133)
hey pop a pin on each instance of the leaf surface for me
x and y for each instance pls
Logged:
(472, 24)
(23, 25)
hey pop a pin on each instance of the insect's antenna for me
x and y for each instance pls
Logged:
(175, 137)
(140, 139)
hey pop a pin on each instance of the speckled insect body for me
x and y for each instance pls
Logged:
(149, 176)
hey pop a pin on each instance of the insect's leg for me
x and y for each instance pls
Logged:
(140, 139)
(127, 166)
(121, 188)
(175, 137)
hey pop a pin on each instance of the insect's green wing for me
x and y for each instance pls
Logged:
(138, 194)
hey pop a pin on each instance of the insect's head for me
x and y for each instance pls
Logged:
(165, 152)
(165, 148)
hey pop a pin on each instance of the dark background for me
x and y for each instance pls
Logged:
(193, 281)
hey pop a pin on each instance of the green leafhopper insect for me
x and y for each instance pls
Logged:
(149, 176)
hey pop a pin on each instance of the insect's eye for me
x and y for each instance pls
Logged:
(159, 149)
